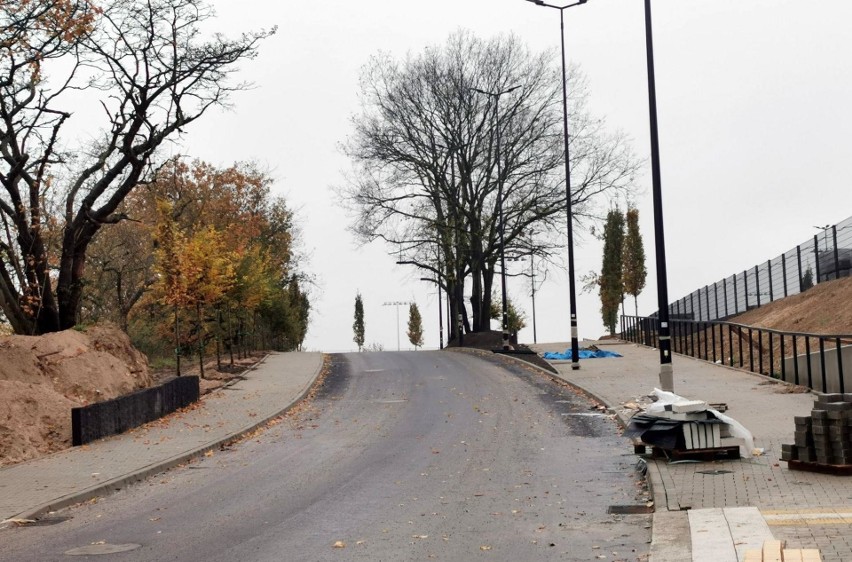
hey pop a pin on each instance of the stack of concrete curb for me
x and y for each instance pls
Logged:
(823, 438)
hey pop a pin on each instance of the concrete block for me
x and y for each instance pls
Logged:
(839, 415)
(806, 454)
(817, 415)
(819, 429)
(836, 406)
(792, 555)
(682, 416)
(811, 555)
(689, 406)
(702, 435)
(804, 421)
(838, 434)
(803, 438)
(772, 551)
(829, 397)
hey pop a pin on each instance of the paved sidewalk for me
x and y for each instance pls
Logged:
(805, 509)
(33, 488)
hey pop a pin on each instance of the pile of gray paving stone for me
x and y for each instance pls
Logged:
(824, 437)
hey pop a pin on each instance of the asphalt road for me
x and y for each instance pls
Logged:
(402, 456)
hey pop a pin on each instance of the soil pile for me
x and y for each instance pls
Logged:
(43, 377)
(823, 309)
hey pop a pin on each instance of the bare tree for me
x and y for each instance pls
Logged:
(152, 72)
(425, 159)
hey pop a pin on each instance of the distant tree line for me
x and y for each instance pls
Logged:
(207, 262)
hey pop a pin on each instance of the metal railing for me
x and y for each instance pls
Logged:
(826, 257)
(812, 360)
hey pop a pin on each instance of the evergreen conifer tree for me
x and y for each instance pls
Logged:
(611, 284)
(415, 326)
(358, 325)
(634, 271)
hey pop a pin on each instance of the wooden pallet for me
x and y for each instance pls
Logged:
(729, 453)
(835, 469)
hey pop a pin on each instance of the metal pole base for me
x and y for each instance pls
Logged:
(666, 377)
(575, 366)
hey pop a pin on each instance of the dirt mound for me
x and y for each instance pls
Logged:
(43, 377)
(823, 309)
(481, 340)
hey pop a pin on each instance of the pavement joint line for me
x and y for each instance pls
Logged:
(116, 484)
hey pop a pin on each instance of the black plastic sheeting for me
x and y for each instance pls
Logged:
(660, 432)
(132, 410)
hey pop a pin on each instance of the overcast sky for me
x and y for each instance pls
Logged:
(754, 114)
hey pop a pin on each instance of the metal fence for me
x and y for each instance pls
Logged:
(813, 360)
(827, 256)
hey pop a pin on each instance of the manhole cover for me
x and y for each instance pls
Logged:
(105, 548)
(714, 472)
(629, 509)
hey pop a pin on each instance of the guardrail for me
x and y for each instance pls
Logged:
(812, 360)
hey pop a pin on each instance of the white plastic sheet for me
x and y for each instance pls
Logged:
(735, 428)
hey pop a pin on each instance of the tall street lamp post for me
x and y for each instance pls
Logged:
(666, 372)
(396, 304)
(572, 288)
(440, 311)
(501, 226)
(532, 285)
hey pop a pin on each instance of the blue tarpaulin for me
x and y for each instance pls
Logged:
(584, 354)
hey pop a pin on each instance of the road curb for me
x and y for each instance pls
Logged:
(116, 484)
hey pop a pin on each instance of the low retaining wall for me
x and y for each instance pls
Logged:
(832, 369)
(126, 412)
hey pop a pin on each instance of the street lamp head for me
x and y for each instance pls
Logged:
(543, 3)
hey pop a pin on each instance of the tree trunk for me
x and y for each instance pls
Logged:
(200, 339)
(231, 341)
(218, 338)
(69, 285)
(177, 342)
